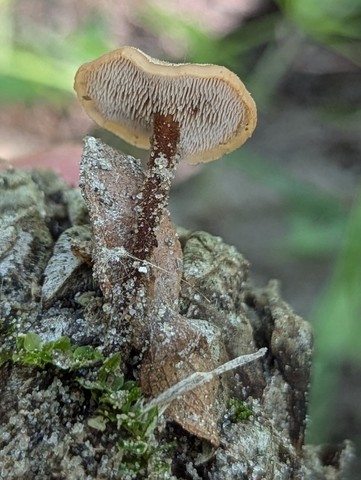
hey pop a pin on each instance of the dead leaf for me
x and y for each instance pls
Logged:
(177, 349)
(165, 266)
(148, 289)
(110, 182)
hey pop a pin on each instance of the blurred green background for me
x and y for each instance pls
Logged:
(289, 200)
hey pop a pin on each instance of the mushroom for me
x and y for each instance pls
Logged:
(181, 111)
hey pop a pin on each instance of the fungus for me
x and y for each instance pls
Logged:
(189, 111)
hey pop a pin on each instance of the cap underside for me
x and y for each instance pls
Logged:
(215, 112)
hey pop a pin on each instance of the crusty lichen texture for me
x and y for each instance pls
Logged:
(124, 89)
(48, 424)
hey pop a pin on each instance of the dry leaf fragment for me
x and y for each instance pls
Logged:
(157, 284)
(165, 266)
(110, 182)
(133, 286)
(197, 379)
(181, 370)
(178, 349)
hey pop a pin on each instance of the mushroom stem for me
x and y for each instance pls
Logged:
(154, 195)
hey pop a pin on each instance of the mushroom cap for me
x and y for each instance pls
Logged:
(122, 90)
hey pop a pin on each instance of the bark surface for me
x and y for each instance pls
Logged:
(65, 275)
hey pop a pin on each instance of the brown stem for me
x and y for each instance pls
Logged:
(154, 195)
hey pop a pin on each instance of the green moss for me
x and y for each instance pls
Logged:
(30, 350)
(118, 402)
(238, 411)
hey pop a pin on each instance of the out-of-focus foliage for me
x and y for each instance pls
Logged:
(335, 23)
(336, 320)
(201, 46)
(36, 63)
(316, 220)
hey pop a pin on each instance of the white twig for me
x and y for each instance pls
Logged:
(199, 378)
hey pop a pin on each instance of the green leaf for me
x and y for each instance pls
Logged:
(32, 342)
(134, 447)
(112, 363)
(98, 423)
(85, 356)
(63, 344)
(326, 20)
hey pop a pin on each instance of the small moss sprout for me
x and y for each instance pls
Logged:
(117, 403)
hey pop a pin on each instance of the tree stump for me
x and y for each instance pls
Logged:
(190, 308)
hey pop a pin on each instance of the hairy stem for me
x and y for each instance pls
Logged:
(154, 195)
